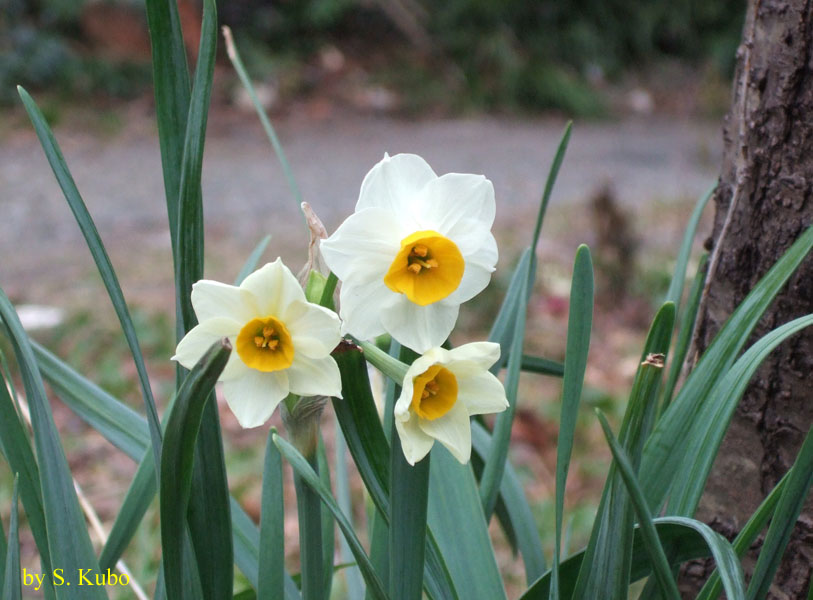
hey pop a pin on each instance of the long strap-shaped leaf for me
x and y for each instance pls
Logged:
(129, 432)
(606, 567)
(579, 324)
(790, 505)
(177, 459)
(304, 470)
(667, 443)
(100, 257)
(271, 582)
(714, 417)
(12, 585)
(68, 540)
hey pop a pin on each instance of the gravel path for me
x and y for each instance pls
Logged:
(42, 253)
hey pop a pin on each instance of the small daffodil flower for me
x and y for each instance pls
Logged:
(282, 342)
(417, 246)
(441, 390)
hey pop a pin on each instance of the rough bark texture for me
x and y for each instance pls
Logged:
(763, 203)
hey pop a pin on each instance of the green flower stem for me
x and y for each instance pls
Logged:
(302, 423)
(388, 365)
(409, 493)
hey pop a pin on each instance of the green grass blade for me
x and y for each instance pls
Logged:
(456, 516)
(189, 267)
(660, 564)
(12, 584)
(251, 262)
(370, 450)
(177, 467)
(684, 338)
(550, 181)
(747, 536)
(790, 504)
(311, 479)
(714, 417)
(17, 450)
(666, 446)
(608, 555)
(234, 57)
(68, 540)
(675, 292)
(501, 437)
(579, 324)
(519, 511)
(172, 89)
(271, 583)
(352, 575)
(100, 257)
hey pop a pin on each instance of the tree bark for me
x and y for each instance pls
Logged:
(763, 203)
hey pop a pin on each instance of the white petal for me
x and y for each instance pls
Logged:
(201, 337)
(414, 442)
(314, 329)
(212, 299)
(481, 394)
(361, 307)
(366, 243)
(254, 397)
(483, 354)
(314, 376)
(475, 279)
(273, 287)
(445, 201)
(453, 430)
(394, 182)
(475, 242)
(419, 327)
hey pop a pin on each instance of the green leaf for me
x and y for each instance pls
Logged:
(608, 554)
(328, 528)
(251, 262)
(271, 582)
(686, 330)
(352, 575)
(519, 511)
(667, 444)
(550, 181)
(682, 539)
(100, 257)
(68, 540)
(542, 366)
(234, 57)
(456, 516)
(494, 466)
(368, 445)
(177, 459)
(714, 417)
(502, 329)
(675, 292)
(790, 504)
(311, 479)
(579, 324)
(652, 544)
(747, 536)
(12, 584)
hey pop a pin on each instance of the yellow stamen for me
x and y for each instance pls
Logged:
(265, 344)
(434, 392)
(428, 268)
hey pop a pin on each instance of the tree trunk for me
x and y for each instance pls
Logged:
(763, 203)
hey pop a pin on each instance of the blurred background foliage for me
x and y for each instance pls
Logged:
(457, 55)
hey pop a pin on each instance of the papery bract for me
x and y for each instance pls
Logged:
(282, 342)
(417, 246)
(441, 390)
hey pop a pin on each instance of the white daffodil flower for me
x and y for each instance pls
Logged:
(282, 342)
(417, 247)
(441, 390)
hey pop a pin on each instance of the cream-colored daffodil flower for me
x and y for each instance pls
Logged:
(441, 390)
(417, 246)
(282, 342)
